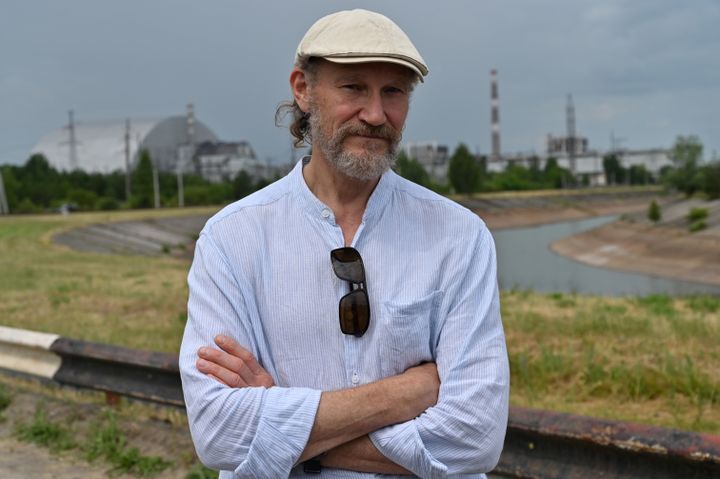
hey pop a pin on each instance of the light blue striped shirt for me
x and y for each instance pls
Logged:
(262, 275)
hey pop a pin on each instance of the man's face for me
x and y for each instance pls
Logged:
(357, 114)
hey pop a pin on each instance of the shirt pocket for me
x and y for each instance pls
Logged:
(407, 333)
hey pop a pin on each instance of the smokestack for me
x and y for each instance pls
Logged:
(495, 115)
(571, 135)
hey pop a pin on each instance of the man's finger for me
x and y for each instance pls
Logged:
(223, 375)
(223, 359)
(232, 347)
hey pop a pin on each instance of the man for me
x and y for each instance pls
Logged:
(355, 314)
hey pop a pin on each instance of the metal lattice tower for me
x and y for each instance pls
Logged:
(72, 140)
(494, 115)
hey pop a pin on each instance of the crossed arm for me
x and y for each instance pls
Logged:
(345, 417)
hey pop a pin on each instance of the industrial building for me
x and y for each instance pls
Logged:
(434, 157)
(222, 161)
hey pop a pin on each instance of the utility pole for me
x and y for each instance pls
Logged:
(72, 141)
(156, 185)
(127, 159)
(4, 208)
(184, 154)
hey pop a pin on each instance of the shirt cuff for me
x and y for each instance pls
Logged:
(402, 444)
(286, 420)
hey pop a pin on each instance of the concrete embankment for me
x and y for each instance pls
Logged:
(522, 209)
(666, 249)
(173, 235)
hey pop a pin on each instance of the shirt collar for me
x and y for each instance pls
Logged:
(379, 198)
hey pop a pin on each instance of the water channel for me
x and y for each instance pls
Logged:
(525, 261)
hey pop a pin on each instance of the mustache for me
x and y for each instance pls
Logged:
(385, 132)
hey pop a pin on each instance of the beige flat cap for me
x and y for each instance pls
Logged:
(360, 36)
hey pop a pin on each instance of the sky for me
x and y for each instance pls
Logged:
(644, 71)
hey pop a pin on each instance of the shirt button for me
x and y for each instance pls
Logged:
(355, 378)
(325, 213)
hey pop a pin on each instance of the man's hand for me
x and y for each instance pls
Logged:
(232, 365)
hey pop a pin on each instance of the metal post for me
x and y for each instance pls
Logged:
(127, 159)
(181, 191)
(4, 208)
(156, 186)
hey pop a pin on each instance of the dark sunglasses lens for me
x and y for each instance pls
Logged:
(347, 265)
(355, 313)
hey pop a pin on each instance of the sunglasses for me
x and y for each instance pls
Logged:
(354, 306)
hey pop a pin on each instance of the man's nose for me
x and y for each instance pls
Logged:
(373, 112)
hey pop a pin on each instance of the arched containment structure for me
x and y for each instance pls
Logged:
(100, 145)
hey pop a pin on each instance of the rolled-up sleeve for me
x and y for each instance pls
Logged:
(464, 432)
(255, 432)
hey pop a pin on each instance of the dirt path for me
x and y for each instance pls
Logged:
(152, 430)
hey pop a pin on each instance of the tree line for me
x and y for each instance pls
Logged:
(468, 173)
(36, 186)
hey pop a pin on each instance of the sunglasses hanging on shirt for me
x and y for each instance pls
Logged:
(354, 306)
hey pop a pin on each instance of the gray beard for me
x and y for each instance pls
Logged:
(366, 166)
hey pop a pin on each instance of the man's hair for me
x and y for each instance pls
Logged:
(299, 120)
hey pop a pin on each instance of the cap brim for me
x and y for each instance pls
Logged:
(397, 61)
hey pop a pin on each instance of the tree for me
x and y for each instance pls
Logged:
(555, 175)
(685, 155)
(710, 183)
(242, 185)
(39, 182)
(639, 175)
(142, 181)
(463, 171)
(614, 172)
(412, 170)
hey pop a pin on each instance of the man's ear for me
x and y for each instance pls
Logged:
(300, 88)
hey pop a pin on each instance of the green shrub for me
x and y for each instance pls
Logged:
(698, 226)
(107, 204)
(654, 213)
(697, 214)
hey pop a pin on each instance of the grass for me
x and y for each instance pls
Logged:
(47, 433)
(651, 359)
(201, 472)
(5, 399)
(106, 441)
(97, 297)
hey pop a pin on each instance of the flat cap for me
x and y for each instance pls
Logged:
(360, 36)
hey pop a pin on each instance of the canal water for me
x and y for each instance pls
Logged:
(525, 261)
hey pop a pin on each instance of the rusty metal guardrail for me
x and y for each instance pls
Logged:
(538, 444)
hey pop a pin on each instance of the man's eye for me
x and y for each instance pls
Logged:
(351, 87)
(394, 90)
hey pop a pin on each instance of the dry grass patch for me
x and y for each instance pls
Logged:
(134, 301)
